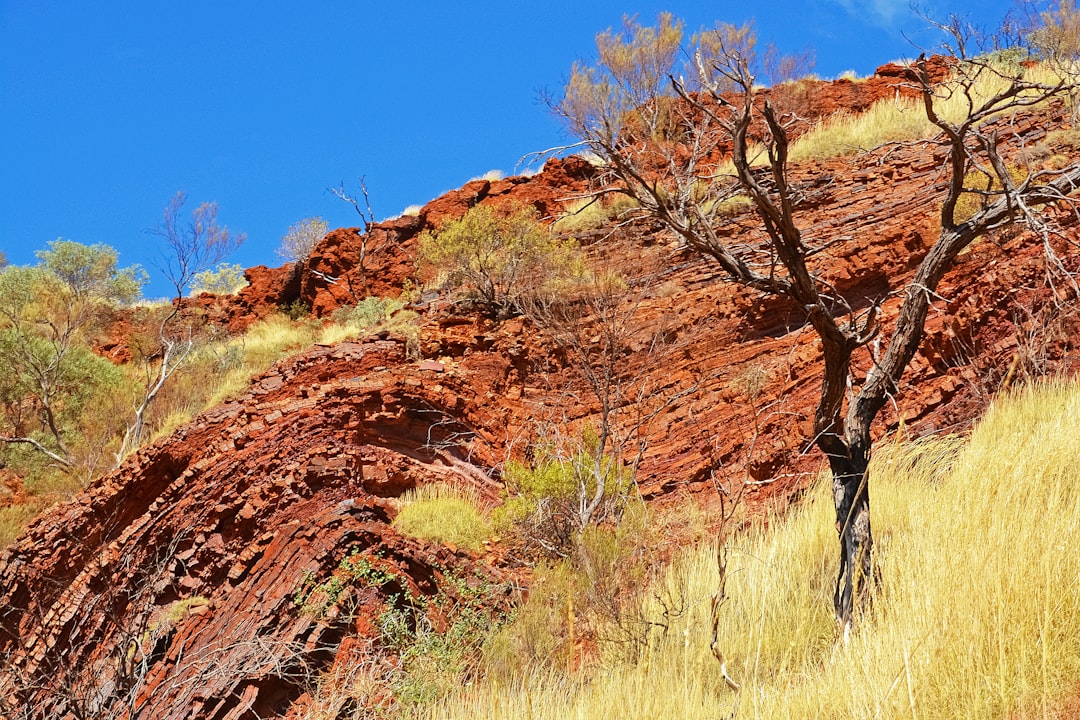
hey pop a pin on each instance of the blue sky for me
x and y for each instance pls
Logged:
(109, 108)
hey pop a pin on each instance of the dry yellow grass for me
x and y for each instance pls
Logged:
(898, 119)
(445, 514)
(976, 613)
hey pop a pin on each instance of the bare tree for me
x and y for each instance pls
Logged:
(367, 219)
(666, 139)
(192, 247)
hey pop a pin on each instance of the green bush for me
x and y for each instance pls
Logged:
(296, 310)
(501, 256)
(372, 313)
(437, 638)
(543, 506)
(445, 514)
(222, 279)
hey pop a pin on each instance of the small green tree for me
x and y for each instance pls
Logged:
(222, 279)
(300, 239)
(500, 256)
(48, 316)
(569, 488)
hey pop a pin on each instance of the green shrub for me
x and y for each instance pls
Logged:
(295, 310)
(445, 514)
(355, 570)
(222, 279)
(437, 638)
(353, 321)
(543, 506)
(439, 658)
(501, 256)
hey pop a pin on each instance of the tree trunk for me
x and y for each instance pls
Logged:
(851, 494)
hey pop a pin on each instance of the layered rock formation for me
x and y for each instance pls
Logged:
(178, 581)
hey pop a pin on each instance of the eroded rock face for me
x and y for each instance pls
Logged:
(347, 265)
(232, 514)
(234, 511)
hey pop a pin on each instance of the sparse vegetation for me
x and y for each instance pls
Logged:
(437, 638)
(624, 108)
(91, 397)
(974, 578)
(498, 257)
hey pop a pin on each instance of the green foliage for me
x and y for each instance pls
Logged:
(543, 506)
(89, 272)
(445, 514)
(372, 313)
(354, 570)
(13, 518)
(438, 657)
(296, 310)
(437, 638)
(222, 279)
(300, 239)
(499, 257)
(367, 313)
(55, 389)
(591, 599)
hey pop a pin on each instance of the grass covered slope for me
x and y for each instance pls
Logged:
(976, 614)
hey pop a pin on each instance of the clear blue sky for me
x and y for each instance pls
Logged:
(108, 108)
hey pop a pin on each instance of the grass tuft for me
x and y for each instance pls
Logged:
(445, 514)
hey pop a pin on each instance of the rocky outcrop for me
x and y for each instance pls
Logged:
(235, 511)
(349, 265)
(181, 576)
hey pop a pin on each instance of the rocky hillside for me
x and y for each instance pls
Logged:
(180, 581)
